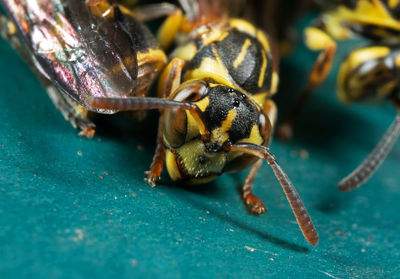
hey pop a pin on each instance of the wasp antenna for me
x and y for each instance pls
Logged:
(367, 168)
(148, 103)
(135, 103)
(299, 210)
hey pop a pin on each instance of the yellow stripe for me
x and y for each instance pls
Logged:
(263, 69)
(227, 123)
(239, 59)
(203, 103)
(255, 136)
(220, 135)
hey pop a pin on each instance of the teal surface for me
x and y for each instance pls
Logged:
(77, 208)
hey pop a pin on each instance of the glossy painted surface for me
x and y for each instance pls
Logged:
(77, 208)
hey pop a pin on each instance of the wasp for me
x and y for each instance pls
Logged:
(214, 95)
(369, 73)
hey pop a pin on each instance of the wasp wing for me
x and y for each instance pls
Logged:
(85, 54)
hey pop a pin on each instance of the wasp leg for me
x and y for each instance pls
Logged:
(169, 81)
(316, 39)
(254, 204)
(157, 164)
(72, 112)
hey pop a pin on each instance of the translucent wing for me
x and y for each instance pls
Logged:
(84, 53)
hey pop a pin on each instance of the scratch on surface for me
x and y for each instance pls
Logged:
(328, 274)
(252, 249)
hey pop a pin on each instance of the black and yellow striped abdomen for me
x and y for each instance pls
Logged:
(238, 56)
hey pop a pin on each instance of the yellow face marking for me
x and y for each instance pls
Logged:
(220, 134)
(170, 162)
(255, 136)
(190, 152)
(239, 59)
(263, 69)
(203, 103)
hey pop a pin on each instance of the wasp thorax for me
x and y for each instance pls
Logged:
(227, 116)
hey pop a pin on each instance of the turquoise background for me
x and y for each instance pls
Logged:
(77, 208)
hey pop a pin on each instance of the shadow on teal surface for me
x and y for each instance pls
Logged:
(75, 208)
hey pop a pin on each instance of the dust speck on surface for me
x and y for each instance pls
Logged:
(339, 232)
(79, 153)
(304, 154)
(101, 177)
(79, 235)
(133, 194)
(371, 237)
(251, 249)
(140, 147)
(362, 250)
(2, 144)
(134, 262)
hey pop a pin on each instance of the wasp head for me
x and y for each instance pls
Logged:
(198, 147)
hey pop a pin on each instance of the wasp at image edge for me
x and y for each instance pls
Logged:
(368, 73)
